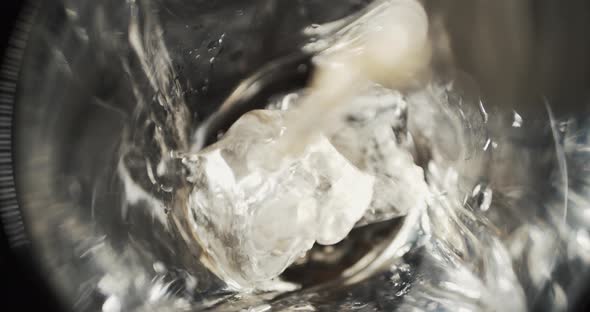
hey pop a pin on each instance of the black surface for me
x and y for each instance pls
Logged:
(20, 285)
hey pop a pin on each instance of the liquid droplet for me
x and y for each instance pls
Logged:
(484, 114)
(517, 120)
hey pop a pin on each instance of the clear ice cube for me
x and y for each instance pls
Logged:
(372, 133)
(255, 221)
(374, 137)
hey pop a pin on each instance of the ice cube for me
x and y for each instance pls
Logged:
(374, 138)
(255, 221)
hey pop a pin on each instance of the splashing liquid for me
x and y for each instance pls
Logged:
(475, 234)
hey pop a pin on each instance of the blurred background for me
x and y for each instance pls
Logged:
(22, 285)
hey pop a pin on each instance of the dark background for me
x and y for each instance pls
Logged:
(20, 287)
